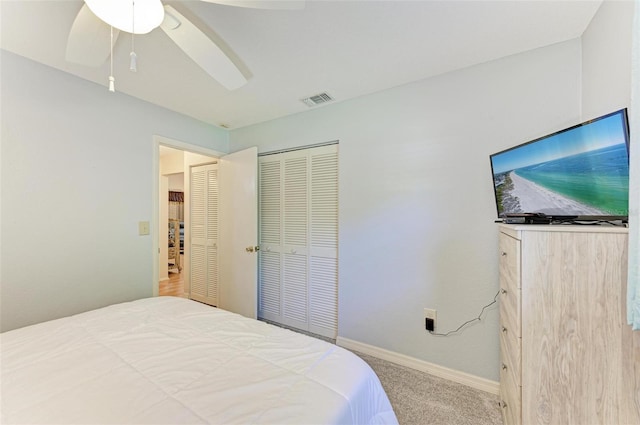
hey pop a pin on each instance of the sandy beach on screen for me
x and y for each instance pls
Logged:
(533, 196)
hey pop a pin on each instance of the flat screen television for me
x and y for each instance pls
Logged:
(580, 173)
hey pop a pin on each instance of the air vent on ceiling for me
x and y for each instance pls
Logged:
(317, 99)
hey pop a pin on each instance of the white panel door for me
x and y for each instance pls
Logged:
(204, 234)
(238, 287)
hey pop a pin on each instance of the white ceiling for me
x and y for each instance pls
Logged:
(346, 48)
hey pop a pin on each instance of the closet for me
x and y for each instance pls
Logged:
(298, 233)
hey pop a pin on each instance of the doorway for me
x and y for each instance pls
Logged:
(237, 180)
(171, 271)
(171, 163)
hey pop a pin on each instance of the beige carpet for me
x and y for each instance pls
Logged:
(420, 399)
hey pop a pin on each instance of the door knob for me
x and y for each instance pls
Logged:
(252, 248)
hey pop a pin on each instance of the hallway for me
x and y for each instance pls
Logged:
(174, 286)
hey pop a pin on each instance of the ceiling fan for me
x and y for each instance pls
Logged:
(98, 23)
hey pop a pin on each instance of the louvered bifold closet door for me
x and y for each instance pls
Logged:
(270, 199)
(323, 244)
(295, 310)
(204, 234)
(298, 276)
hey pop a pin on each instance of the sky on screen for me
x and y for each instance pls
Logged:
(605, 132)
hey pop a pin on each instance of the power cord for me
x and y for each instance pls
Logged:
(495, 300)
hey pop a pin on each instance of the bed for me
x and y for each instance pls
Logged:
(172, 360)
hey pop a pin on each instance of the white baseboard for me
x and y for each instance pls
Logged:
(469, 380)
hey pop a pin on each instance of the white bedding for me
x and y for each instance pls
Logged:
(171, 360)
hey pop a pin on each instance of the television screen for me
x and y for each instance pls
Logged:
(579, 172)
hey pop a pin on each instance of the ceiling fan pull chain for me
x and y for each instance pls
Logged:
(133, 64)
(112, 80)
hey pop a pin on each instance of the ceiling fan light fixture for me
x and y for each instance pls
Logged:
(120, 14)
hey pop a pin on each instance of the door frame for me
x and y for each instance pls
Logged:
(158, 141)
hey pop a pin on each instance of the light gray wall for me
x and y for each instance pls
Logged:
(607, 84)
(606, 60)
(416, 203)
(76, 180)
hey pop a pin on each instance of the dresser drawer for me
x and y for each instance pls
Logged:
(510, 317)
(511, 357)
(509, 251)
(510, 400)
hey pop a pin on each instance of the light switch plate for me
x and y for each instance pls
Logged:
(143, 228)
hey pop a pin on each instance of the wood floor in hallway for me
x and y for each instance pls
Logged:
(173, 287)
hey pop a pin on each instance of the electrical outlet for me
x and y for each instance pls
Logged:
(430, 319)
(429, 325)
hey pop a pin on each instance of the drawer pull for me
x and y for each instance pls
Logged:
(503, 291)
(504, 366)
(504, 329)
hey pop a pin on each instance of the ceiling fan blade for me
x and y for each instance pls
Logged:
(263, 4)
(89, 41)
(201, 49)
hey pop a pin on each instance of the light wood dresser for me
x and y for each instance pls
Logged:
(567, 353)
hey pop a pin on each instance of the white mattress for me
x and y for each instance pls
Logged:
(171, 360)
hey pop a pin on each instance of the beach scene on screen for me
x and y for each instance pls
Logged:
(582, 171)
